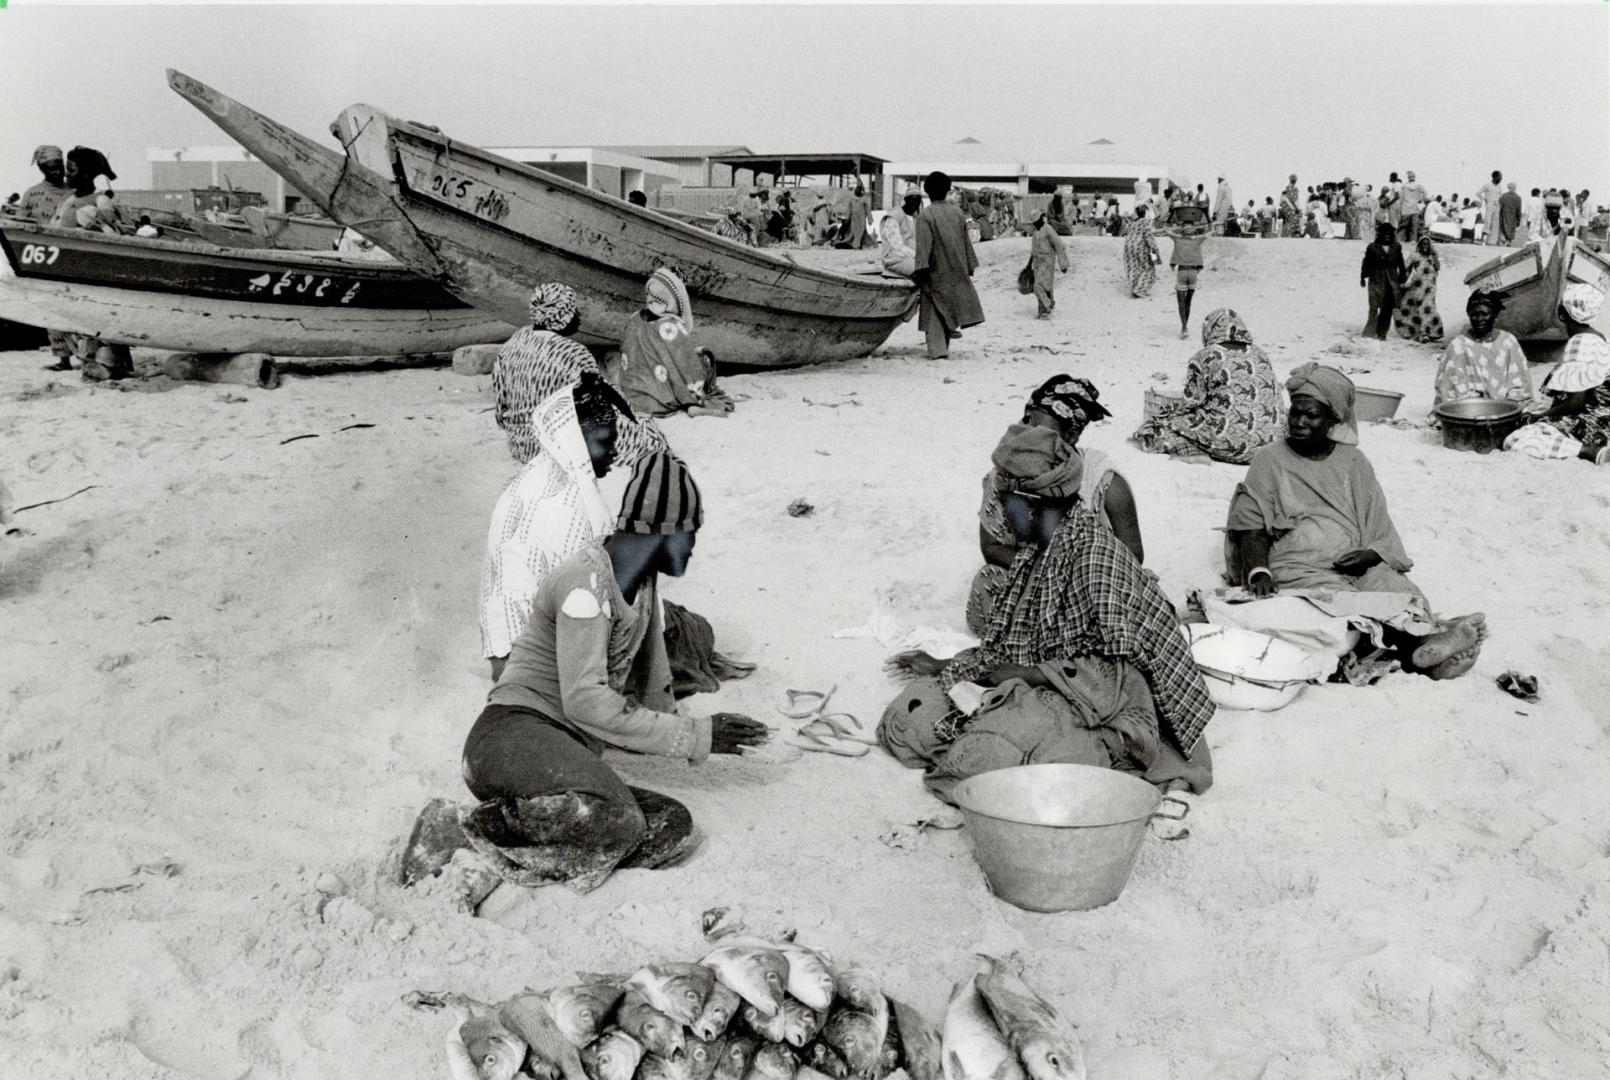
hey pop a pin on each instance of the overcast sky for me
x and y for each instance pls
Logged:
(1452, 91)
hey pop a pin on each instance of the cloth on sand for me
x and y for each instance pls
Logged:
(551, 509)
(532, 366)
(690, 643)
(1086, 595)
(1493, 368)
(1335, 389)
(1231, 402)
(1096, 475)
(949, 301)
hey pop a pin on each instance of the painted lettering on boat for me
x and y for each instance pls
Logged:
(301, 284)
(40, 254)
(475, 196)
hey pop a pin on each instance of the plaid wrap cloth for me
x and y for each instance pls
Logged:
(1085, 595)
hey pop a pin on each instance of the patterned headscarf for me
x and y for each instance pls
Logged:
(46, 153)
(553, 306)
(1037, 461)
(1335, 390)
(1581, 301)
(661, 498)
(666, 295)
(1224, 325)
(1068, 398)
(599, 403)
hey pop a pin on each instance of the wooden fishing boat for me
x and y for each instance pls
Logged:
(488, 230)
(196, 298)
(1531, 279)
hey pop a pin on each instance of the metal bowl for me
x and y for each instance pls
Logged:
(1478, 410)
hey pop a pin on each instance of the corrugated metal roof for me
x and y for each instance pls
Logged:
(679, 152)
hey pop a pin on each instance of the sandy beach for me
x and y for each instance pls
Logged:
(258, 658)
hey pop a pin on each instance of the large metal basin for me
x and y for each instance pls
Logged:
(1477, 423)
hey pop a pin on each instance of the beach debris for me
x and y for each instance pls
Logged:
(1514, 683)
(800, 508)
(163, 867)
(720, 922)
(330, 885)
(123, 886)
(298, 438)
(52, 502)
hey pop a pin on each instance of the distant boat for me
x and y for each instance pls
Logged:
(1531, 279)
(195, 298)
(488, 230)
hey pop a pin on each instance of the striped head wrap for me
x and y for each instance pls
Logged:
(553, 306)
(661, 498)
(666, 295)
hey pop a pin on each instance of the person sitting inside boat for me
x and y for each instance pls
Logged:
(588, 672)
(1082, 660)
(1573, 419)
(40, 202)
(1310, 520)
(1231, 405)
(93, 204)
(551, 508)
(544, 358)
(659, 370)
(1063, 406)
(147, 230)
(1483, 362)
(897, 236)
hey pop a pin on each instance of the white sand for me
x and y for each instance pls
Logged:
(261, 659)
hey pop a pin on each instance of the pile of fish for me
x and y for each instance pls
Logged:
(997, 1028)
(750, 1010)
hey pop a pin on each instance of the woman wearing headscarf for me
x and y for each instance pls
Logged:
(1483, 361)
(1082, 658)
(1416, 313)
(1046, 256)
(93, 205)
(1382, 272)
(1140, 254)
(1310, 519)
(660, 371)
(1064, 406)
(544, 358)
(551, 508)
(1574, 419)
(1231, 405)
(1291, 210)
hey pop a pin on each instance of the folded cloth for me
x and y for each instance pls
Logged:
(696, 666)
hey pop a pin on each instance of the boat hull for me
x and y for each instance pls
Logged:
(1531, 280)
(180, 297)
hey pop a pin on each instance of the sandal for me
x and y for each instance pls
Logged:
(819, 738)
(840, 725)
(1172, 826)
(797, 707)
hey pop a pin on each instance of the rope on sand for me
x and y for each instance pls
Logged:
(48, 502)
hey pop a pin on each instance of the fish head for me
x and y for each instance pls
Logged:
(1045, 1059)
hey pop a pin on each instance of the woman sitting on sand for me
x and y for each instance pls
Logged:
(1577, 420)
(1083, 652)
(1065, 406)
(1311, 518)
(1232, 402)
(660, 371)
(544, 358)
(1483, 362)
(1416, 313)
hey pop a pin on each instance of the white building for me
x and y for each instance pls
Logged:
(1097, 168)
(611, 171)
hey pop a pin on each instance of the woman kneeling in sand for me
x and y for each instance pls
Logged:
(1065, 406)
(1310, 518)
(1082, 654)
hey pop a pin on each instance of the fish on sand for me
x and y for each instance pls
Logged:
(1036, 1032)
(678, 990)
(975, 1049)
(614, 1055)
(487, 1047)
(737, 1057)
(580, 1010)
(810, 975)
(703, 1056)
(858, 1037)
(758, 973)
(801, 1022)
(718, 1011)
(774, 1062)
(658, 1033)
(772, 1028)
(921, 1053)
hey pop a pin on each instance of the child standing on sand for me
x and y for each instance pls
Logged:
(1188, 237)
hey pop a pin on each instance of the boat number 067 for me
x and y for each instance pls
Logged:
(40, 254)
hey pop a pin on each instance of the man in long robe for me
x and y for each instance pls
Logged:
(898, 237)
(1509, 215)
(944, 269)
(1046, 257)
(1490, 194)
(1223, 201)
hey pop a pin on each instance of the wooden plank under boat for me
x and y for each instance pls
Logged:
(196, 298)
(488, 230)
(1531, 280)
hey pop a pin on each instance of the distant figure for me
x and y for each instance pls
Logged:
(1360, 211)
(147, 229)
(858, 216)
(897, 237)
(1223, 202)
(780, 224)
(1143, 191)
(944, 269)
(1057, 216)
(1412, 199)
(1509, 216)
(1382, 272)
(1187, 261)
(1291, 213)
(1046, 257)
(1535, 222)
(730, 224)
(40, 202)
(1141, 255)
(1416, 313)
(1490, 194)
(637, 198)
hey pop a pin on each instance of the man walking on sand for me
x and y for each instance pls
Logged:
(1412, 199)
(1509, 216)
(1491, 192)
(944, 269)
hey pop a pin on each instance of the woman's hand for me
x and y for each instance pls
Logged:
(1357, 561)
(1260, 582)
(911, 663)
(732, 733)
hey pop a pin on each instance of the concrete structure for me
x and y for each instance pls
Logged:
(695, 166)
(1098, 168)
(602, 169)
(229, 167)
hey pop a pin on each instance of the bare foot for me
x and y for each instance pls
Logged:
(1444, 645)
(1455, 666)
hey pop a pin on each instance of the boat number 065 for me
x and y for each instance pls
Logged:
(39, 254)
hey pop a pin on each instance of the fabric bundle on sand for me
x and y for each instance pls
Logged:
(696, 666)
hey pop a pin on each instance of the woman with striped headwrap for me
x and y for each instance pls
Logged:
(660, 370)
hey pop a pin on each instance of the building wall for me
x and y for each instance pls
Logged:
(240, 175)
(607, 178)
(574, 171)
